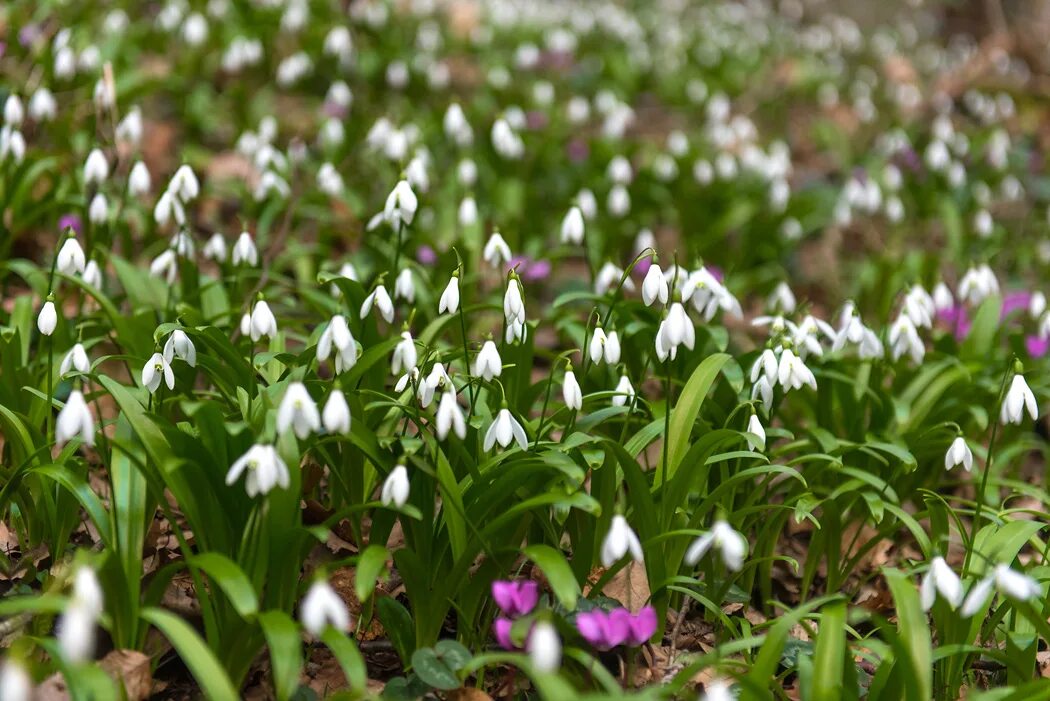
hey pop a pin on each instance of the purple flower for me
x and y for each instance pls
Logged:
(70, 221)
(426, 255)
(1014, 301)
(957, 319)
(530, 270)
(606, 630)
(516, 598)
(501, 629)
(577, 150)
(27, 35)
(1037, 347)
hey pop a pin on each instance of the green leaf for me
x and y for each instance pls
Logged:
(398, 624)
(369, 565)
(688, 408)
(830, 653)
(349, 658)
(286, 651)
(433, 670)
(229, 577)
(558, 573)
(453, 654)
(914, 636)
(210, 675)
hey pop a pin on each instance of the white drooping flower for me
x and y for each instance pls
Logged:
(262, 321)
(754, 427)
(940, 579)
(98, 209)
(624, 392)
(496, 251)
(405, 286)
(265, 470)
(168, 207)
(675, 330)
(904, 340)
(609, 278)
(184, 184)
(1014, 585)
(571, 391)
(401, 205)
(766, 366)
(47, 319)
(513, 304)
(395, 488)
(75, 359)
(381, 299)
(920, 306)
(572, 226)
(405, 355)
(978, 284)
(180, 346)
(619, 541)
(14, 112)
(70, 260)
(96, 168)
(298, 412)
(449, 302)
(708, 295)
(155, 370)
(336, 414)
(654, 286)
(958, 454)
(244, 250)
(450, 417)
(322, 607)
(130, 129)
(792, 372)
(467, 214)
(782, 298)
(456, 126)
(139, 180)
(763, 390)
(1018, 399)
(488, 364)
(165, 266)
(604, 347)
(77, 632)
(544, 647)
(505, 430)
(730, 544)
(854, 331)
(718, 690)
(506, 141)
(943, 299)
(337, 335)
(15, 682)
(75, 421)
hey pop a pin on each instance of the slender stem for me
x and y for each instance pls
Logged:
(979, 497)
(397, 251)
(667, 423)
(543, 411)
(466, 359)
(50, 388)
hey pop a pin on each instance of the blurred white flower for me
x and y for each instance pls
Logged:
(75, 421)
(1015, 585)
(488, 364)
(405, 286)
(405, 355)
(940, 579)
(730, 544)
(298, 412)
(322, 607)
(544, 647)
(572, 227)
(262, 321)
(496, 251)
(381, 299)
(619, 541)
(15, 682)
(244, 250)
(75, 359)
(42, 105)
(265, 470)
(395, 488)
(401, 205)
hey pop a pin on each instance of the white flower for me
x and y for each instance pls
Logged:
(709, 295)
(401, 205)
(322, 607)
(395, 488)
(1036, 304)
(654, 286)
(505, 140)
(619, 201)
(450, 417)
(70, 259)
(76, 632)
(12, 142)
(76, 359)
(87, 590)
(155, 370)
(468, 212)
(730, 544)
(165, 266)
(1018, 398)
(675, 330)
(179, 345)
(904, 339)
(604, 346)
(456, 126)
(75, 421)
(261, 322)
(14, 113)
(92, 274)
(619, 541)
(624, 392)
(792, 372)
(265, 470)
(754, 426)
(47, 319)
(98, 209)
(96, 168)
(942, 297)
(765, 366)
(298, 412)
(609, 277)
(496, 251)
(958, 454)
(215, 248)
(15, 682)
(513, 304)
(488, 364)
(572, 226)
(404, 286)
(139, 181)
(337, 334)
(449, 301)
(1014, 585)
(940, 579)
(717, 690)
(129, 130)
(763, 390)
(544, 647)
(920, 307)
(381, 299)
(782, 298)
(504, 430)
(182, 244)
(244, 250)
(184, 184)
(336, 414)
(168, 207)
(571, 392)
(405, 355)
(978, 284)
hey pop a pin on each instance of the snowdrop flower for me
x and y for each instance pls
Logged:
(717, 690)
(298, 412)
(675, 330)
(904, 339)
(96, 169)
(262, 321)
(766, 366)
(139, 181)
(942, 297)
(571, 391)
(76, 632)
(404, 287)
(405, 355)
(958, 454)
(496, 251)
(467, 172)
(587, 203)
(730, 544)
(156, 369)
(572, 226)
(215, 248)
(763, 390)
(941, 580)
(322, 607)
(42, 106)
(609, 277)
(168, 207)
(271, 182)
(1018, 399)
(754, 426)
(1037, 304)
(920, 307)
(449, 302)
(978, 284)
(505, 430)
(624, 392)
(381, 299)
(70, 259)
(47, 319)
(76, 359)
(1014, 585)
(983, 224)
(98, 210)
(513, 304)
(129, 130)
(337, 334)
(450, 417)
(329, 181)
(265, 470)
(488, 364)
(12, 143)
(505, 140)
(180, 346)
(336, 414)
(456, 126)
(182, 244)
(14, 113)
(544, 647)
(468, 212)
(395, 488)
(619, 201)
(401, 205)
(92, 274)
(708, 295)
(75, 421)
(855, 332)
(792, 372)
(619, 541)
(782, 298)
(604, 346)
(184, 184)
(15, 682)
(244, 250)
(654, 286)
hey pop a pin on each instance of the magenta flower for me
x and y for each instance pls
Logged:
(515, 598)
(501, 629)
(70, 221)
(1037, 347)
(1013, 301)
(957, 320)
(426, 255)
(530, 270)
(606, 630)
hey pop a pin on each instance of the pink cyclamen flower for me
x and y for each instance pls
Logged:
(70, 221)
(516, 598)
(1037, 347)
(501, 629)
(426, 255)
(606, 630)
(957, 320)
(1014, 301)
